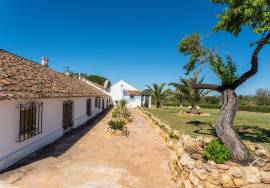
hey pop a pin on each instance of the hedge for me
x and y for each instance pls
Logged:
(263, 109)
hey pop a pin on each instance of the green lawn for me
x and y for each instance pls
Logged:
(251, 126)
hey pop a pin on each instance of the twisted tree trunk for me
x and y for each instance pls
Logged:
(225, 130)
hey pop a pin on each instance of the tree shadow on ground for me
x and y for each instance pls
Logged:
(254, 133)
(59, 146)
(250, 133)
(203, 128)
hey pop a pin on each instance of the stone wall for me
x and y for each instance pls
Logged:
(190, 170)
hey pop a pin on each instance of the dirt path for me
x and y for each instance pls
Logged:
(90, 158)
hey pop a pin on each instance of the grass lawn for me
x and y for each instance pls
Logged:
(251, 126)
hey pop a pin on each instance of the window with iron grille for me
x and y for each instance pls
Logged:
(30, 120)
(89, 107)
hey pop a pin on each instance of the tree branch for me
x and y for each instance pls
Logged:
(254, 62)
(207, 86)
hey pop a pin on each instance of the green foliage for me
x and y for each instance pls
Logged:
(157, 92)
(184, 88)
(226, 71)
(94, 78)
(239, 13)
(255, 108)
(122, 104)
(117, 124)
(192, 47)
(97, 79)
(216, 151)
(122, 113)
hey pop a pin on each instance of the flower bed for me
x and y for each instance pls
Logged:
(190, 169)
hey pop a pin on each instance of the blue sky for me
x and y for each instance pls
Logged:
(134, 40)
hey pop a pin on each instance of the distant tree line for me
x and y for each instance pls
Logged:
(94, 78)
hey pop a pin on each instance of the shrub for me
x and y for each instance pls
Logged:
(117, 124)
(216, 151)
(122, 103)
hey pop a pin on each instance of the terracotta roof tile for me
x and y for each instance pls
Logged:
(24, 79)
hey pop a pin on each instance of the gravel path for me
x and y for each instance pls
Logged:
(90, 158)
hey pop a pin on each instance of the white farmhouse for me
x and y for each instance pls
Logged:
(38, 105)
(133, 96)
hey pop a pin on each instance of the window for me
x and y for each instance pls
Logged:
(96, 102)
(132, 97)
(99, 102)
(89, 107)
(30, 120)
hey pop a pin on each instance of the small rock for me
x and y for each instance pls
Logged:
(187, 184)
(187, 161)
(226, 180)
(236, 172)
(199, 164)
(238, 182)
(223, 167)
(251, 174)
(208, 168)
(194, 180)
(208, 184)
(201, 173)
(265, 177)
(267, 167)
(212, 163)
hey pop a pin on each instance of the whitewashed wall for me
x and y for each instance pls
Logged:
(11, 150)
(133, 102)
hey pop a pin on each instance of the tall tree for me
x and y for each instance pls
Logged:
(158, 92)
(237, 14)
(193, 96)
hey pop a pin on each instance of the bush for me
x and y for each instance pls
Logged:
(122, 113)
(117, 124)
(216, 151)
(122, 103)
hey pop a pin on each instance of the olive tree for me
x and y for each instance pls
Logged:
(253, 14)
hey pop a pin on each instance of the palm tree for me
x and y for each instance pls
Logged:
(157, 92)
(193, 96)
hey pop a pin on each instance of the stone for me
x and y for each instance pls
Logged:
(226, 180)
(187, 161)
(179, 150)
(251, 174)
(222, 167)
(208, 184)
(201, 173)
(194, 180)
(199, 164)
(238, 182)
(118, 132)
(266, 167)
(236, 172)
(265, 177)
(212, 163)
(171, 144)
(208, 168)
(187, 184)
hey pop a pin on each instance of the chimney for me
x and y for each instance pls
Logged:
(106, 84)
(45, 61)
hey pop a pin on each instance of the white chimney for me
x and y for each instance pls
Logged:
(45, 61)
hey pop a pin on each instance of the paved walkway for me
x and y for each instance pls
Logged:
(89, 158)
